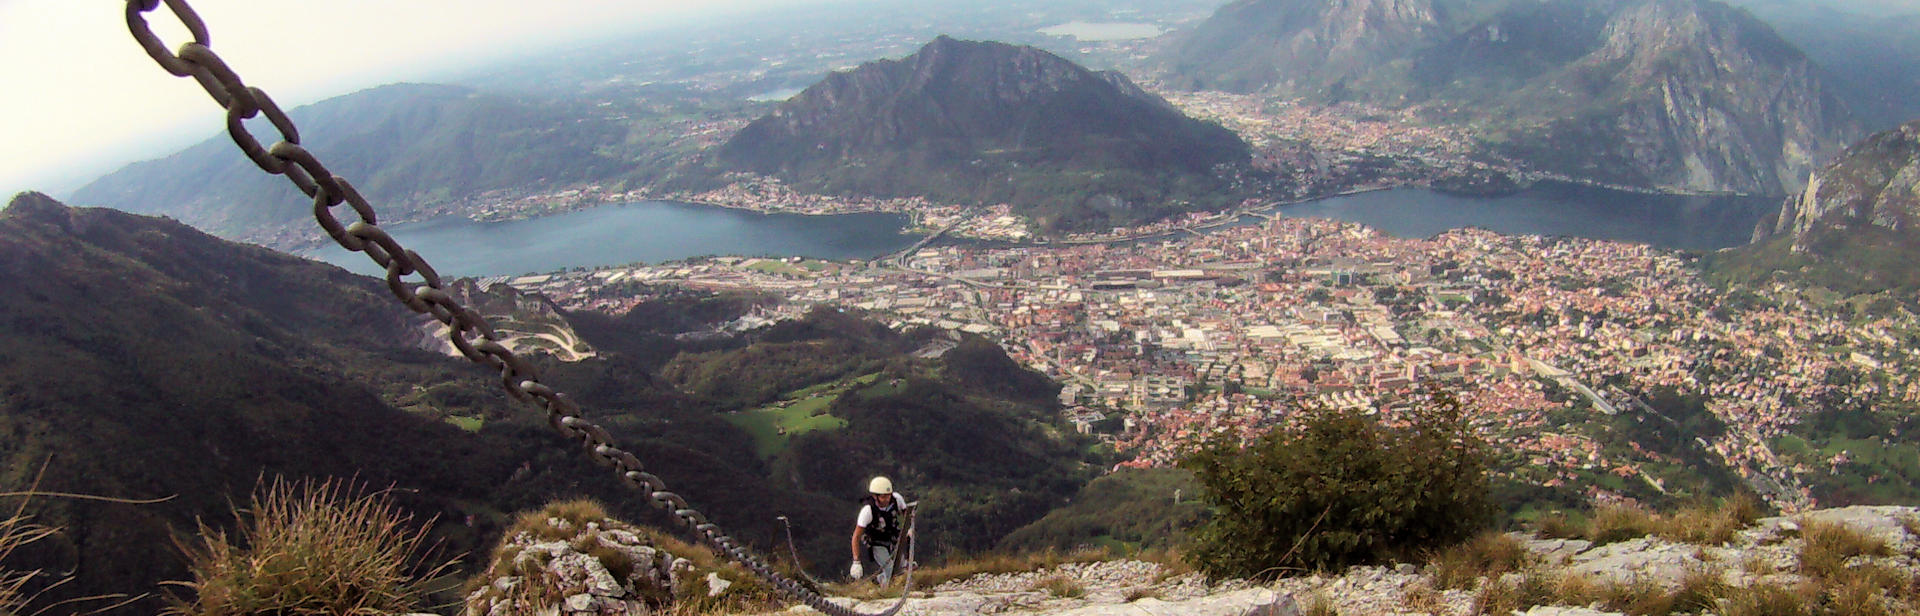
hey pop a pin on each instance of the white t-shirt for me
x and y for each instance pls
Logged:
(865, 518)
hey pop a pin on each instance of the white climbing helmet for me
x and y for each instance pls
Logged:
(880, 485)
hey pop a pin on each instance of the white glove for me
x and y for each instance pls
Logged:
(856, 572)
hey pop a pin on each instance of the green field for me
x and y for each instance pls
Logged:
(776, 267)
(771, 426)
(799, 412)
(470, 424)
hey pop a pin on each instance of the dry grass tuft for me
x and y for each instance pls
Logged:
(1699, 591)
(1616, 523)
(1577, 590)
(17, 530)
(1141, 592)
(309, 548)
(1517, 592)
(1709, 524)
(1004, 563)
(1173, 563)
(1825, 548)
(1767, 600)
(1703, 524)
(1859, 596)
(1320, 605)
(1561, 525)
(1062, 587)
(1638, 598)
(1488, 555)
(1421, 598)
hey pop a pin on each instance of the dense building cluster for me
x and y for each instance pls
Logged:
(1160, 342)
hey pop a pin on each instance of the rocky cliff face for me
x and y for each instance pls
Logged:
(983, 122)
(1876, 183)
(1679, 94)
(1296, 47)
(1705, 98)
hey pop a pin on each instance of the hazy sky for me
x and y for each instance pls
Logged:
(79, 98)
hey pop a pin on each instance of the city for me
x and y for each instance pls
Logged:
(1236, 329)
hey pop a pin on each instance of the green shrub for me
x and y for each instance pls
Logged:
(1339, 489)
(309, 549)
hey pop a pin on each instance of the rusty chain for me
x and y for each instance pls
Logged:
(468, 330)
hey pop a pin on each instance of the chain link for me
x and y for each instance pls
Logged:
(467, 330)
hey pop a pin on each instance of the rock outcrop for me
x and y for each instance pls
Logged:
(1770, 552)
(1875, 183)
(1851, 230)
(590, 568)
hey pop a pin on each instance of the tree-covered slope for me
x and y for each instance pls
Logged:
(145, 359)
(407, 147)
(984, 122)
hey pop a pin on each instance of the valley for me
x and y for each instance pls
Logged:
(1042, 263)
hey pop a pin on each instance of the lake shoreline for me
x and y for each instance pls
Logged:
(657, 230)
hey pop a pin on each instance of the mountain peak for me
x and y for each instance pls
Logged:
(984, 122)
(35, 205)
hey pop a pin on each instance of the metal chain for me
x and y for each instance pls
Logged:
(468, 331)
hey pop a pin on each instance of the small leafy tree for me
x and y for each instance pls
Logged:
(1340, 488)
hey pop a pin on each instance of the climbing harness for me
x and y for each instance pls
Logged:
(467, 330)
(906, 557)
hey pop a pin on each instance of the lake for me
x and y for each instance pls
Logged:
(649, 232)
(1095, 32)
(1668, 221)
(775, 96)
(655, 231)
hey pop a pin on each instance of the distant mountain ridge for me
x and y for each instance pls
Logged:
(405, 146)
(1680, 94)
(1871, 48)
(985, 122)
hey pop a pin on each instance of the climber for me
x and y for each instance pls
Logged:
(877, 529)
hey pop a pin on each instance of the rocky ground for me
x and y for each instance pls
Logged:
(1767, 552)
